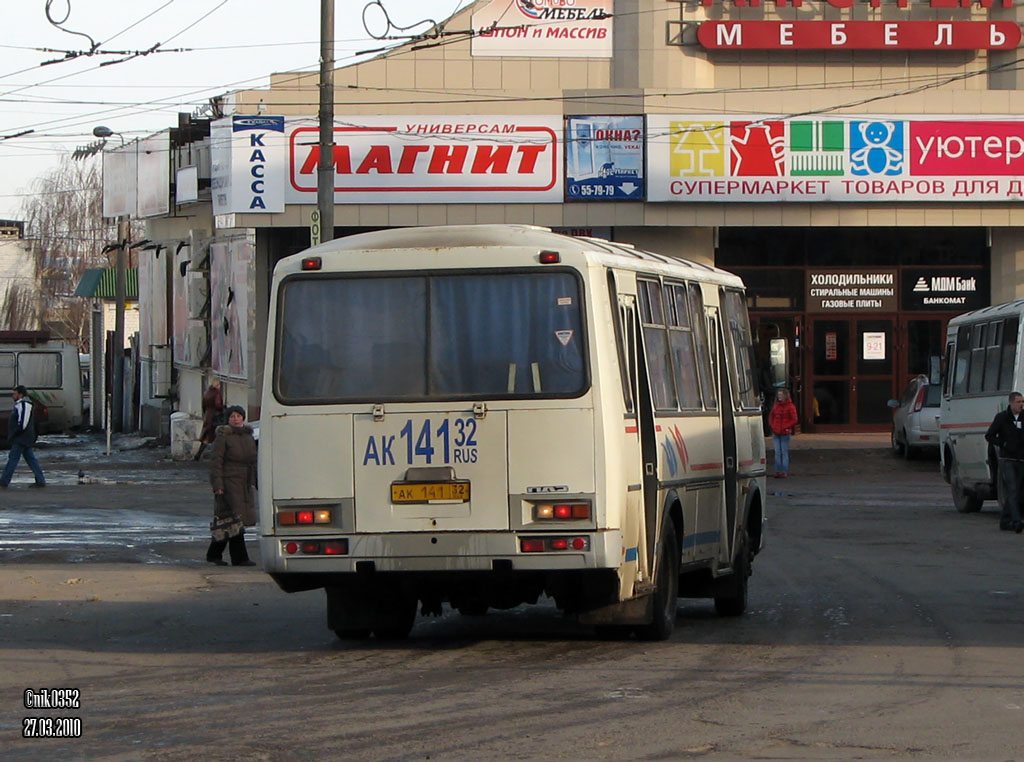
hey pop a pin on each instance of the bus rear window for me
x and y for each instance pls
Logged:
(452, 336)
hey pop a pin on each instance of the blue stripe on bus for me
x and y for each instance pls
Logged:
(701, 538)
(631, 554)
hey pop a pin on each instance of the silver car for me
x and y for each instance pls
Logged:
(915, 418)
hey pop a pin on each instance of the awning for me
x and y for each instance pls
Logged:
(98, 283)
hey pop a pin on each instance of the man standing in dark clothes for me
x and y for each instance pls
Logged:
(1007, 434)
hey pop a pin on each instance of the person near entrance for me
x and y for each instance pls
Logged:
(1006, 434)
(782, 420)
(21, 436)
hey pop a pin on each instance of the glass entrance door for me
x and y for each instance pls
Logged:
(851, 375)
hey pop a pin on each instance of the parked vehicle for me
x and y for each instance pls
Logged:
(50, 371)
(915, 418)
(982, 367)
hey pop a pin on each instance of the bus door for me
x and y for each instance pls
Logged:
(648, 445)
(729, 460)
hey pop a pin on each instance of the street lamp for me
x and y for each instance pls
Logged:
(120, 295)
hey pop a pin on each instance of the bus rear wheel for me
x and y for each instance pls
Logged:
(735, 602)
(666, 592)
(965, 500)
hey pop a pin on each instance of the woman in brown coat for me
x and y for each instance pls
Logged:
(232, 475)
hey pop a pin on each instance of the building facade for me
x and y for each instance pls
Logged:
(859, 164)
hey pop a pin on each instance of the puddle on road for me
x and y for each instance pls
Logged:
(32, 529)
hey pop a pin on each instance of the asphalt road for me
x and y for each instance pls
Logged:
(882, 625)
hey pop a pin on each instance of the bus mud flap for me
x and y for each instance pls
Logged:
(634, 611)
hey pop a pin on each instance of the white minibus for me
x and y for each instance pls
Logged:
(982, 367)
(481, 415)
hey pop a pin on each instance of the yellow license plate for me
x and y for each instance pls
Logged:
(430, 492)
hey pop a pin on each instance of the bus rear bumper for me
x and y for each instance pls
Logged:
(439, 552)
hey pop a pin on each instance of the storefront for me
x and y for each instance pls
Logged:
(859, 165)
(846, 316)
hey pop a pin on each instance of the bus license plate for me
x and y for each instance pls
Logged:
(429, 492)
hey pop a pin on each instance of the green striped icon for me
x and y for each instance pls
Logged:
(817, 148)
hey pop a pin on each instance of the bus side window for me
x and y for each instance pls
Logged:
(705, 351)
(622, 316)
(976, 374)
(8, 378)
(963, 360)
(947, 369)
(740, 348)
(684, 356)
(659, 365)
(992, 356)
(1009, 351)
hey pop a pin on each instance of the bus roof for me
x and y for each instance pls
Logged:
(996, 310)
(608, 253)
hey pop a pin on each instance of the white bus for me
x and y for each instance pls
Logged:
(483, 414)
(983, 366)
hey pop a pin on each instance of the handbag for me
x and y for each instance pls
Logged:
(225, 527)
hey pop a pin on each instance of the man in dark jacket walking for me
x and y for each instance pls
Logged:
(21, 435)
(1007, 434)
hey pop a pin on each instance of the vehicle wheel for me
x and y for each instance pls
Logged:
(473, 609)
(964, 500)
(666, 593)
(897, 445)
(613, 632)
(352, 633)
(735, 603)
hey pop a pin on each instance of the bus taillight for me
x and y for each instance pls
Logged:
(311, 263)
(291, 518)
(543, 544)
(561, 511)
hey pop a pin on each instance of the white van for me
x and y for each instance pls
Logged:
(983, 366)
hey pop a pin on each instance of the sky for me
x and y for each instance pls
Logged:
(206, 48)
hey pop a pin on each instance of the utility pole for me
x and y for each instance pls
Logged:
(120, 295)
(325, 168)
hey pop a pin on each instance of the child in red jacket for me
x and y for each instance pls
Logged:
(782, 420)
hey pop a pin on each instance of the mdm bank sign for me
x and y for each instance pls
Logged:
(942, 289)
(856, 158)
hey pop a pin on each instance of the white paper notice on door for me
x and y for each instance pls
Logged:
(874, 345)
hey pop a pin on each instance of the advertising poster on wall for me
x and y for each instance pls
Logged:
(179, 331)
(231, 275)
(862, 158)
(543, 29)
(430, 159)
(604, 158)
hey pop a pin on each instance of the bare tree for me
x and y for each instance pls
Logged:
(65, 216)
(20, 309)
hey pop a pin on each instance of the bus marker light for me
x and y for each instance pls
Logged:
(336, 548)
(291, 548)
(310, 547)
(559, 543)
(304, 517)
(550, 258)
(311, 263)
(563, 511)
(581, 511)
(285, 518)
(579, 543)
(544, 512)
(322, 517)
(532, 545)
